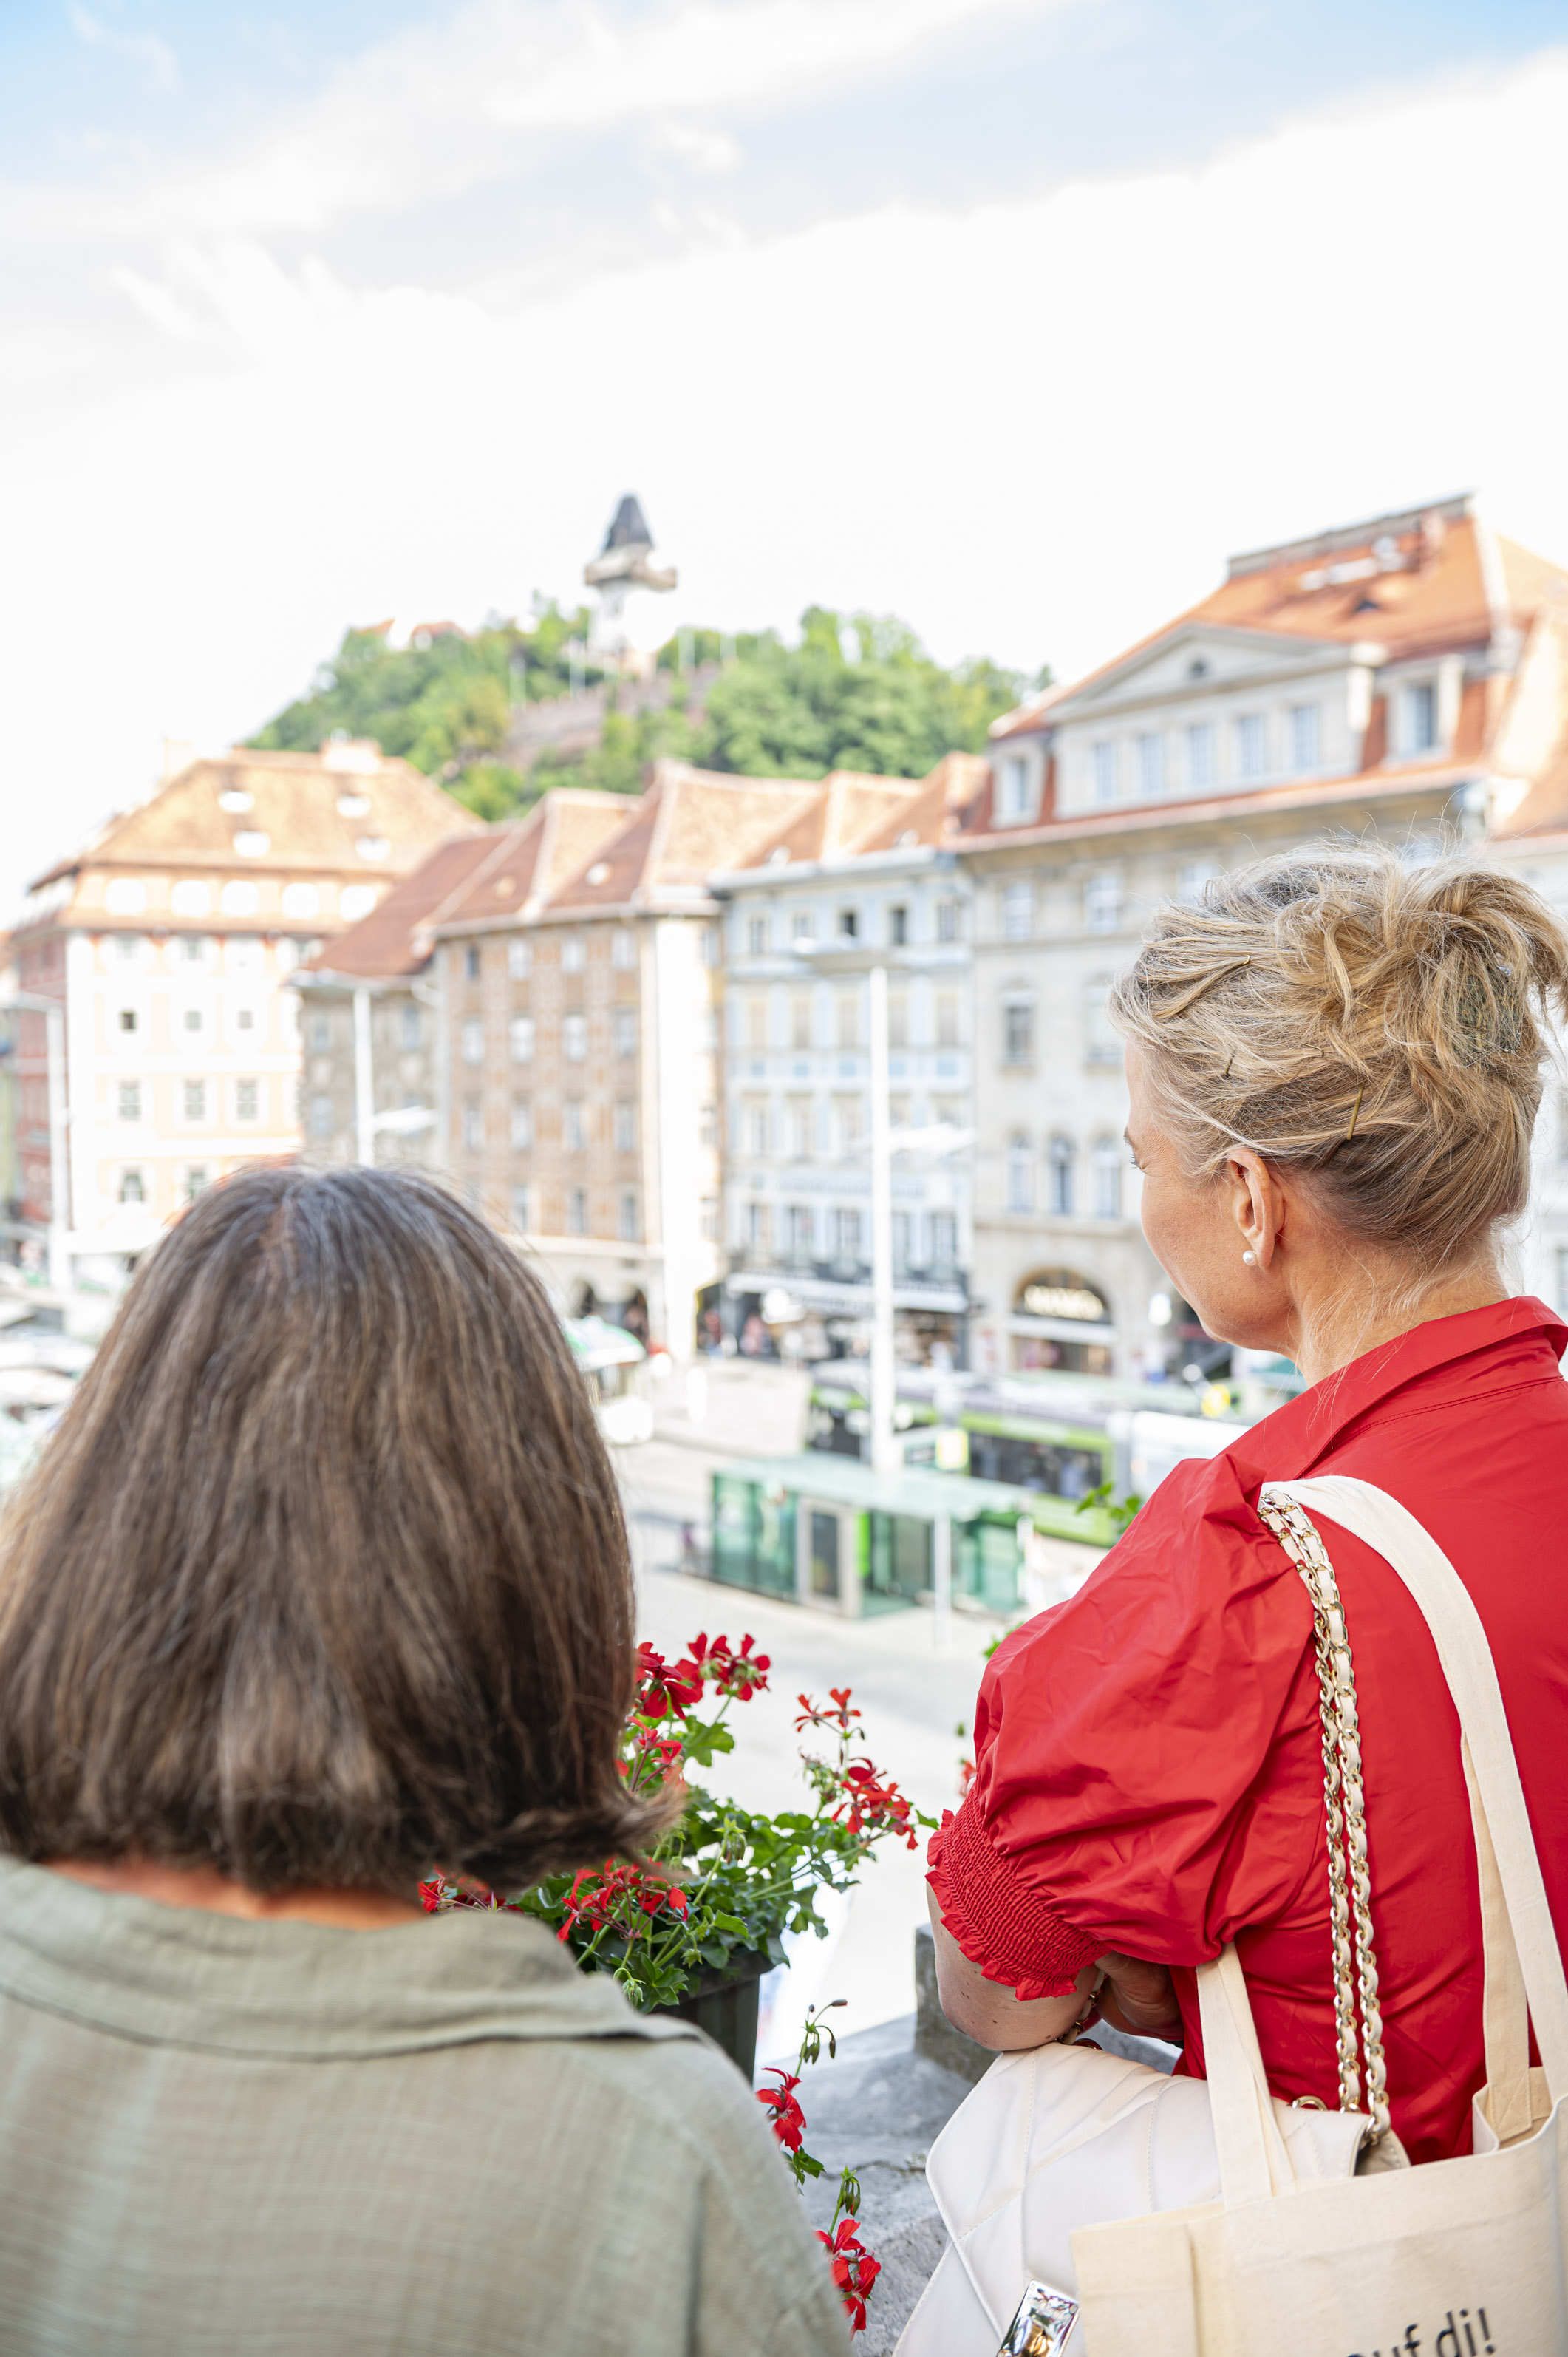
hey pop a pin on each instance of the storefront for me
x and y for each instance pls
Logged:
(1061, 1321)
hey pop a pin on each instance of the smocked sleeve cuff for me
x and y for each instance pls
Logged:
(1015, 1938)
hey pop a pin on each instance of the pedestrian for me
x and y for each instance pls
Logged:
(1335, 1065)
(323, 1585)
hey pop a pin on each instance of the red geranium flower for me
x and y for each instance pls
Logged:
(663, 1689)
(787, 2118)
(854, 2269)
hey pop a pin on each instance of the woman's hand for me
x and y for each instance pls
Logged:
(1139, 1998)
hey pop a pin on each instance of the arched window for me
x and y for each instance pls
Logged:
(1105, 1179)
(1063, 1159)
(1020, 1174)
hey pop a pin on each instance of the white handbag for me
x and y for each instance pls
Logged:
(1208, 2219)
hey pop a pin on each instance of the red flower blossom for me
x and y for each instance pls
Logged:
(618, 1894)
(870, 1806)
(855, 2270)
(739, 1673)
(839, 1717)
(663, 1689)
(785, 2115)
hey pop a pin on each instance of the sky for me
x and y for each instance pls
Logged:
(1011, 316)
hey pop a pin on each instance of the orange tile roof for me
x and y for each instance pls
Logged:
(395, 939)
(689, 823)
(533, 857)
(942, 806)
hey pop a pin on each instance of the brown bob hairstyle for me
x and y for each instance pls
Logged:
(323, 1578)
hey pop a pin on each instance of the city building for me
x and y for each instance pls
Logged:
(1362, 683)
(868, 865)
(371, 1032)
(166, 941)
(582, 1042)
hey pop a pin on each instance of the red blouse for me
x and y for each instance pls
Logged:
(1148, 1766)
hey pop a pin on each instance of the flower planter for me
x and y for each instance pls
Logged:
(723, 2004)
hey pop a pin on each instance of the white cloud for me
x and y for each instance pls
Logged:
(1034, 429)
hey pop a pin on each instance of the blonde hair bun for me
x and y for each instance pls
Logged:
(1383, 1027)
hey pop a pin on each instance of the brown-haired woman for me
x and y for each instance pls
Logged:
(322, 1583)
(1335, 1066)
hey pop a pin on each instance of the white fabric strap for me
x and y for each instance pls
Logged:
(1498, 1796)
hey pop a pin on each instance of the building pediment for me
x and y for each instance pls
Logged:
(1201, 658)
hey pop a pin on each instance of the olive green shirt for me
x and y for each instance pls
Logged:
(439, 2141)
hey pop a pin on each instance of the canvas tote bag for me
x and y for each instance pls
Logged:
(1225, 2220)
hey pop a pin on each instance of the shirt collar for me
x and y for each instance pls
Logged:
(1289, 1442)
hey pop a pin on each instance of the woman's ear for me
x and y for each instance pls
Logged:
(1256, 1204)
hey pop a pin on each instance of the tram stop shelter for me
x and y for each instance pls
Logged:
(831, 1531)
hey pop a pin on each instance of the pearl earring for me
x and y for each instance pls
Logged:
(1250, 1258)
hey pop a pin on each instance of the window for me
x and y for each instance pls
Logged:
(192, 948)
(193, 1100)
(849, 924)
(898, 1021)
(193, 1019)
(946, 1018)
(1250, 747)
(1102, 1044)
(127, 1018)
(130, 1100)
(1017, 1031)
(1017, 912)
(247, 1100)
(800, 1023)
(1103, 758)
(708, 1126)
(625, 1031)
(623, 950)
(574, 1038)
(757, 1021)
(411, 1027)
(629, 1226)
(898, 927)
(1102, 900)
(520, 1032)
(1195, 878)
(473, 1040)
(800, 1229)
(519, 958)
(521, 1125)
(846, 1237)
(320, 1116)
(708, 1218)
(624, 1127)
(196, 1181)
(944, 1243)
(947, 921)
(757, 937)
(1062, 1163)
(471, 961)
(757, 1129)
(576, 1211)
(128, 947)
(758, 1228)
(1105, 1180)
(848, 1021)
(1013, 791)
(1151, 767)
(1200, 753)
(848, 1120)
(245, 954)
(1418, 711)
(132, 1186)
(802, 1129)
(522, 1209)
(574, 954)
(1305, 737)
(572, 1134)
(712, 944)
(802, 926)
(1020, 1175)
(245, 1018)
(320, 1031)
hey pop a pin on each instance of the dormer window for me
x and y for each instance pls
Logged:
(1418, 716)
(1197, 668)
(1014, 791)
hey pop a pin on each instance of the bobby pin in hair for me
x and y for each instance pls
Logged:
(1354, 1110)
(1207, 983)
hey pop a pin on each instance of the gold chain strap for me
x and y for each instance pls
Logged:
(1349, 1888)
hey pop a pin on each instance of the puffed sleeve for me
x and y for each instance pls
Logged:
(1129, 1789)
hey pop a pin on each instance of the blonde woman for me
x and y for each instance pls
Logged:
(1334, 1067)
